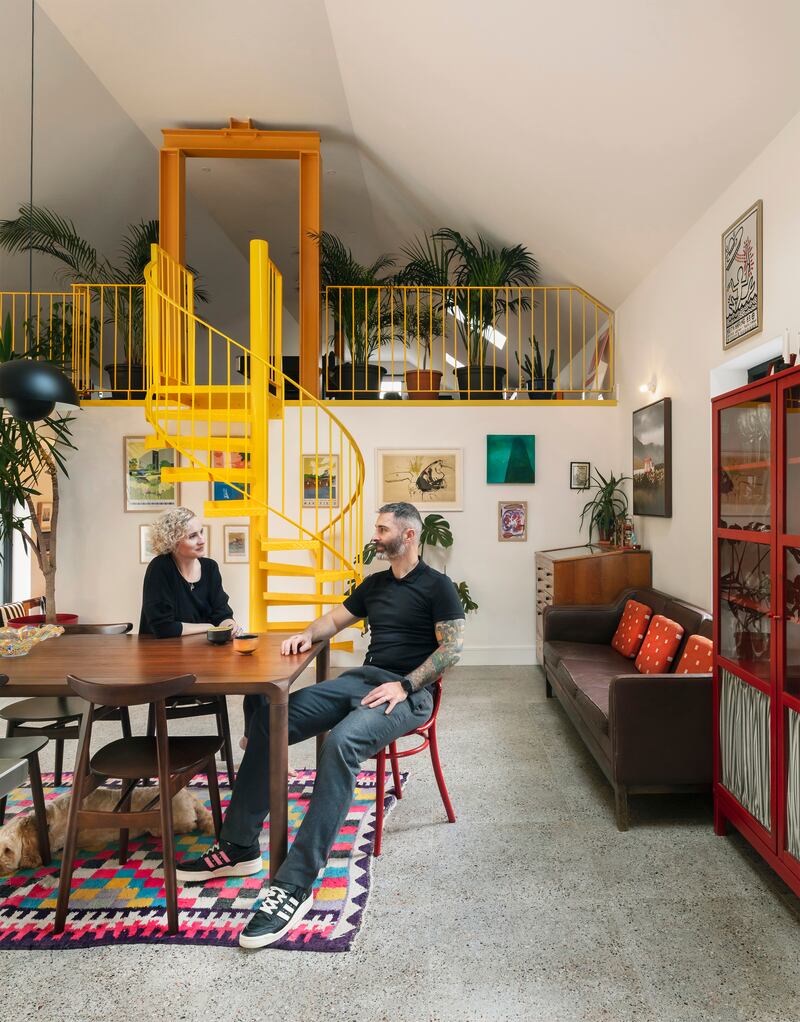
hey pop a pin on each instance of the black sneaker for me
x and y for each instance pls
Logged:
(282, 908)
(221, 860)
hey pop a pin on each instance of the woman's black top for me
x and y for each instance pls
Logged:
(168, 599)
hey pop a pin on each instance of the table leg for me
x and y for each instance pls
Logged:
(323, 670)
(278, 783)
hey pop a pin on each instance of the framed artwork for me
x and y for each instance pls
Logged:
(742, 312)
(510, 458)
(44, 512)
(512, 521)
(144, 489)
(320, 480)
(432, 478)
(237, 544)
(222, 491)
(146, 551)
(652, 459)
(580, 475)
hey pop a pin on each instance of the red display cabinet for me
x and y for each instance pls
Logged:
(756, 484)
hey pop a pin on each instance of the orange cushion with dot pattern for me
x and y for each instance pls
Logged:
(660, 646)
(631, 628)
(697, 657)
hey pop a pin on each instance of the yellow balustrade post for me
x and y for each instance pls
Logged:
(260, 299)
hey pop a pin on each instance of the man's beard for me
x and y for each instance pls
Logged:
(392, 548)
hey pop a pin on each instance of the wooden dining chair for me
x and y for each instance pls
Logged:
(174, 761)
(184, 707)
(427, 732)
(19, 758)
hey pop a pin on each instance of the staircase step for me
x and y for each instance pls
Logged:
(290, 544)
(184, 414)
(188, 442)
(232, 509)
(206, 475)
(304, 599)
(323, 574)
(207, 397)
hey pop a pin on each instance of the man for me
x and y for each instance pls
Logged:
(417, 631)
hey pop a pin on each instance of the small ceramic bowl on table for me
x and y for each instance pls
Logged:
(219, 635)
(245, 643)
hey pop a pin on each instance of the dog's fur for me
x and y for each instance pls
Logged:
(19, 845)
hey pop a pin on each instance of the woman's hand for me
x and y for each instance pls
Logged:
(229, 622)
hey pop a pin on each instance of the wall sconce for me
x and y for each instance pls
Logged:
(650, 386)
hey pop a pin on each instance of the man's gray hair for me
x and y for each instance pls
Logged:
(406, 514)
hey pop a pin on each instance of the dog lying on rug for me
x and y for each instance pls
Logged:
(19, 846)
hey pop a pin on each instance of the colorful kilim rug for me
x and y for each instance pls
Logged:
(113, 904)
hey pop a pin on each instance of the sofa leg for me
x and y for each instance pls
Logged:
(548, 689)
(621, 806)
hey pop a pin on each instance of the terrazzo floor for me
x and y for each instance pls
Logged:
(532, 906)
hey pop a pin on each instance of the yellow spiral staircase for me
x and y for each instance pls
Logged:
(295, 471)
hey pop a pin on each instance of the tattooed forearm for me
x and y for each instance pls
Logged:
(451, 641)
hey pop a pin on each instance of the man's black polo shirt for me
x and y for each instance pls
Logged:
(402, 613)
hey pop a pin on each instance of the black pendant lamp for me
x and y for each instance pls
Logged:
(30, 389)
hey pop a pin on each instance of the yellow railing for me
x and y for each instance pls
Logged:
(94, 331)
(296, 473)
(547, 342)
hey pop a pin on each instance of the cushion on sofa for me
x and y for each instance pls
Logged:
(631, 628)
(698, 656)
(660, 646)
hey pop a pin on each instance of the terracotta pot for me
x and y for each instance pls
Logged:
(423, 384)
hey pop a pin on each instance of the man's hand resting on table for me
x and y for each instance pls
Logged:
(390, 692)
(299, 643)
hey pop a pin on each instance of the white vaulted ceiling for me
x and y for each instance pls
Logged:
(595, 134)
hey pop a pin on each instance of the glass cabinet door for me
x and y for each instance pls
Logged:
(745, 596)
(745, 474)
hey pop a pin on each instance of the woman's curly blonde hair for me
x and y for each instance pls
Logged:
(168, 530)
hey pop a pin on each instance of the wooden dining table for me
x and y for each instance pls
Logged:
(219, 671)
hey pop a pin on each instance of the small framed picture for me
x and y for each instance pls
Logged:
(144, 489)
(44, 512)
(237, 544)
(742, 290)
(320, 480)
(223, 491)
(512, 521)
(580, 475)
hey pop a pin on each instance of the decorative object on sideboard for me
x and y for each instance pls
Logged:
(608, 502)
(652, 459)
(512, 521)
(742, 307)
(511, 458)
(580, 475)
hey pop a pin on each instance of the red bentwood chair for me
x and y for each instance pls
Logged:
(427, 732)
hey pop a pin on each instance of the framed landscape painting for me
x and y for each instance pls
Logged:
(742, 312)
(237, 544)
(652, 459)
(144, 488)
(320, 480)
(430, 478)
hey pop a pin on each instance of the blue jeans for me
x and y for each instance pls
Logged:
(356, 733)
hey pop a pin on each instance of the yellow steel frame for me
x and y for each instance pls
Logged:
(241, 141)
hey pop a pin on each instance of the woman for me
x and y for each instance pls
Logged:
(183, 592)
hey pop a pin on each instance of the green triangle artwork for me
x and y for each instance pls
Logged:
(510, 458)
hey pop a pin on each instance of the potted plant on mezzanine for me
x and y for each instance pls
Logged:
(541, 387)
(46, 231)
(606, 505)
(27, 450)
(357, 298)
(482, 277)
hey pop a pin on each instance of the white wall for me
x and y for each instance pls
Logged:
(100, 578)
(671, 326)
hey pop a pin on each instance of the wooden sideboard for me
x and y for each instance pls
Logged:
(586, 574)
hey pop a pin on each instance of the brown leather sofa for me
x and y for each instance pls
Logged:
(648, 732)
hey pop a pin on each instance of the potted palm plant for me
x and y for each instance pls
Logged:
(48, 232)
(607, 503)
(483, 275)
(28, 451)
(426, 277)
(358, 303)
